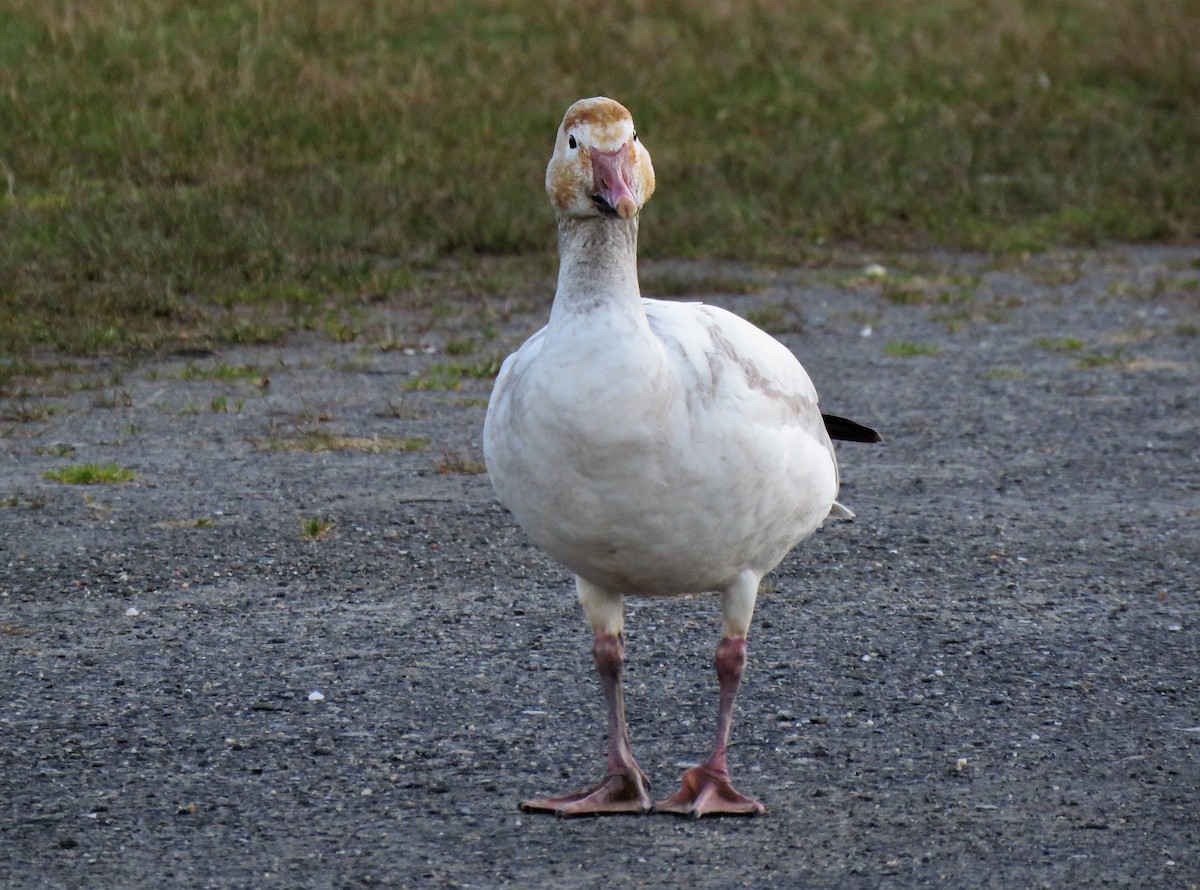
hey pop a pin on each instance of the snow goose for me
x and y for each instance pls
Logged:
(653, 448)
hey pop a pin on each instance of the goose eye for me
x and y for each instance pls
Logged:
(572, 143)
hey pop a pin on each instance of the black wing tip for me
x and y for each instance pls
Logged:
(848, 431)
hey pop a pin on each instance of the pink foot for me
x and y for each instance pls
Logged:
(705, 791)
(619, 793)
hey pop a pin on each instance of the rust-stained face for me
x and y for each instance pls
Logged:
(599, 166)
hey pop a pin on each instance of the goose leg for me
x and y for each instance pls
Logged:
(624, 788)
(706, 789)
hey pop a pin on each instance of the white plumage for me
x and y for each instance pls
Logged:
(653, 448)
(660, 449)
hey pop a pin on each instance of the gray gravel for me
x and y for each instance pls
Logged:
(989, 679)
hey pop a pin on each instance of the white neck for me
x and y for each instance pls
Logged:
(597, 267)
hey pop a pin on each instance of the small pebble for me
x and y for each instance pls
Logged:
(316, 696)
(131, 612)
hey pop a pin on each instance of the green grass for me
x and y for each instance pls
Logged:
(1097, 359)
(90, 474)
(453, 463)
(201, 522)
(33, 500)
(776, 318)
(905, 349)
(314, 527)
(450, 376)
(24, 411)
(222, 372)
(1091, 358)
(685, 283)
(1002, 373)
(229, 172)
(107, 400)
(1059, 344)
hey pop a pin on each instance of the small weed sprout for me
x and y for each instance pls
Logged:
(451, 462)
(1059, 344)
(90, 474)
(314, 527)
(905, 349)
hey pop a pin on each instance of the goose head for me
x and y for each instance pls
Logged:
(599, 168)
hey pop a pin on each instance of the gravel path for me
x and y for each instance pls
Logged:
(991, 678)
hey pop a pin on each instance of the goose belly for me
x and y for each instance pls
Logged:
(636, 509)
